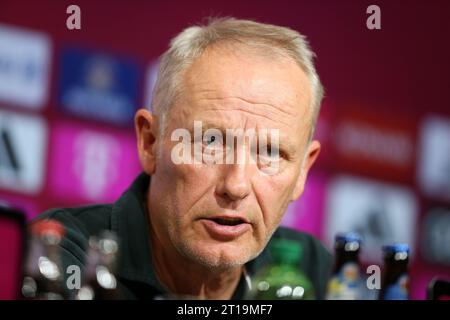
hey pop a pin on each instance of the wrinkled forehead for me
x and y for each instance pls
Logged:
(272, 79)
(265, 89)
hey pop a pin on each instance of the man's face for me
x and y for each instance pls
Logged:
(222, 215)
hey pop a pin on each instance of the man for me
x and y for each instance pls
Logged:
(199, 228)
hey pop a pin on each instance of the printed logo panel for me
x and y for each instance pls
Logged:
(436, 236)
(23, 142)
(434, 167)
(374, 144)
(99, 86)
(381, 213)
(24, 67)
(90, 164)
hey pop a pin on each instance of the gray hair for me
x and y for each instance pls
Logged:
(189, 45)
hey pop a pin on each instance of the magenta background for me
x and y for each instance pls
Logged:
(65, 182)
(28, 206)
(9, 258)
(304, 213)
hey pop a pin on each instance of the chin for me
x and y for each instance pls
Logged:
(219, 256)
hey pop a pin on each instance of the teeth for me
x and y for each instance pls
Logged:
(228, 222)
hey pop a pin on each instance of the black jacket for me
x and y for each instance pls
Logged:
(136, 275)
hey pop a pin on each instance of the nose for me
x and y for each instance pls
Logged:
(235, 184)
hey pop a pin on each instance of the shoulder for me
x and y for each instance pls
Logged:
(316, 259)
(313, 248)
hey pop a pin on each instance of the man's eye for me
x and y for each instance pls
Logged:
(271, 152)
(210, 139)
(274, 152)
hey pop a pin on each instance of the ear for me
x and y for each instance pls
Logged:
(146, 133)
(311, 155)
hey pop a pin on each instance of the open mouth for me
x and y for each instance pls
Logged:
(228, 221)
(226, 228)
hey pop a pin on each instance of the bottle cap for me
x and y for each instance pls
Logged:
(348, 237)
(396, 248)
(47, 227)
(349, 241)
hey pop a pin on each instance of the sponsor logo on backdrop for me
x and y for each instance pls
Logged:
(24, 67)
(381, 213)
(91, 165)
(370, 143)
(366, 141)
(436, 236)
(99, 86)
(434, 163)
(23, 142)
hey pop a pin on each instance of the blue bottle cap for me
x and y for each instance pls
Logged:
(396, 248)
(348, 237)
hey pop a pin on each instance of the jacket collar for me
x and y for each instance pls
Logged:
(129, 220)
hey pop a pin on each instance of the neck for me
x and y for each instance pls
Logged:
(186, 278)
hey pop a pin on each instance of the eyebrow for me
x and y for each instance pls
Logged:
(286, 147)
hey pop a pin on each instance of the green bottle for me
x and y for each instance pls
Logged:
(283, 279)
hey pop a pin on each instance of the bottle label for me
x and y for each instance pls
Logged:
(344, 285)
(398, 290)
